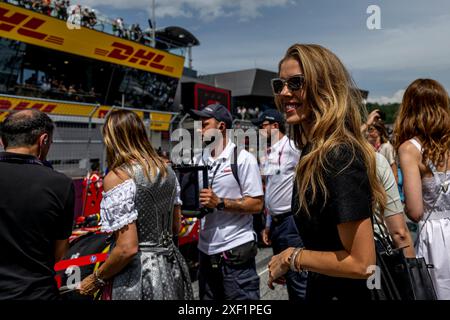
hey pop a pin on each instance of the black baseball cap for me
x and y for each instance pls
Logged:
(216, 111)
(270, 115)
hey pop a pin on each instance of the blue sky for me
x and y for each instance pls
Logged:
(413, 42)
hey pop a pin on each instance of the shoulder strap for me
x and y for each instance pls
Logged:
(234, 167)
(416, 144)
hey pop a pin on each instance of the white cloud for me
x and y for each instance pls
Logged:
(205, 9)
(396, 98)
(408, 46)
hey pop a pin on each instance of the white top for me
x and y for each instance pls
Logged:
(279, 169)
(387, 150)
(386, 177)
(416, 144)
(222, 230)
(117, 208)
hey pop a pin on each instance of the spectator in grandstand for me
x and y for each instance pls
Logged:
(71, 91)
(144, 263)
(46, 7)
(92, 18)
(36, 5)
(32, 80)
(92, 92)
(422, 140)
(136, 33)
(62, 88)
(227, 242)
(336, 188)
(118, 27)
(45, 84)
(74, 15)
(88, 18)
(36, 209)
(61, 9)
(85, 17)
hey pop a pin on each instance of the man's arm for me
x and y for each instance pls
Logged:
(250, 205)
(245, 205)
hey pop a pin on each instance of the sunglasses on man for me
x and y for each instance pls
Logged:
(294, 83)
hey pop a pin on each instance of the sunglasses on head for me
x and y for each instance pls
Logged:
(294, 83)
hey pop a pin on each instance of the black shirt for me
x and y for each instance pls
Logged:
(349, 199)
(36, 209)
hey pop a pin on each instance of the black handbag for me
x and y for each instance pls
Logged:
(400, 278)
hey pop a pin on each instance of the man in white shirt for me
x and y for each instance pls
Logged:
(278, 169)
(227, 243)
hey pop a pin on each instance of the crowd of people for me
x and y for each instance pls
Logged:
(54, 88)
(84, 16)
(328, 186)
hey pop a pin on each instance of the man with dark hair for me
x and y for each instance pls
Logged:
(278, 170)
(36, 209)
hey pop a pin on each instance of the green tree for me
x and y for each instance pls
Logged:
(390, 110)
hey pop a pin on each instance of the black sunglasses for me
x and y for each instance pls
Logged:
(294, 83)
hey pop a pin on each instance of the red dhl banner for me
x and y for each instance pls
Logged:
(34, 28)
(158, 121)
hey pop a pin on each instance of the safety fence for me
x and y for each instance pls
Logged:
(77, 139)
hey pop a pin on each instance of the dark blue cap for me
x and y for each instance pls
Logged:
(216, 111)
(270, 115)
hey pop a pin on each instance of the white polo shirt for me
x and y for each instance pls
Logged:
(222, 230)
(279, 169)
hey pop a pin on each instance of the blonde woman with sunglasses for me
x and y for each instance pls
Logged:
(336, 188)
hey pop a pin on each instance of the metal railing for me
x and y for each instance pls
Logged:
(78, 140)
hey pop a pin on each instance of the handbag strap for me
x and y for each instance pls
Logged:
(382, 236)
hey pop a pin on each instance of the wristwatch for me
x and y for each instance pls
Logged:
(220, 205)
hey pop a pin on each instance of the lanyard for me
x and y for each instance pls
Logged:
(218, 165)
(280, 154)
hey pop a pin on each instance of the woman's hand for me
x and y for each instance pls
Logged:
(89, 286)
(278, 266)
(373, 117)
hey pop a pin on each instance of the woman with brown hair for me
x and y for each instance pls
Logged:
(336, 188)
(379, 139)
(137, 205)
(422, 138)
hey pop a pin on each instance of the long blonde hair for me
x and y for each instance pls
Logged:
(336, 108)
(424, 113)
(126, 143)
